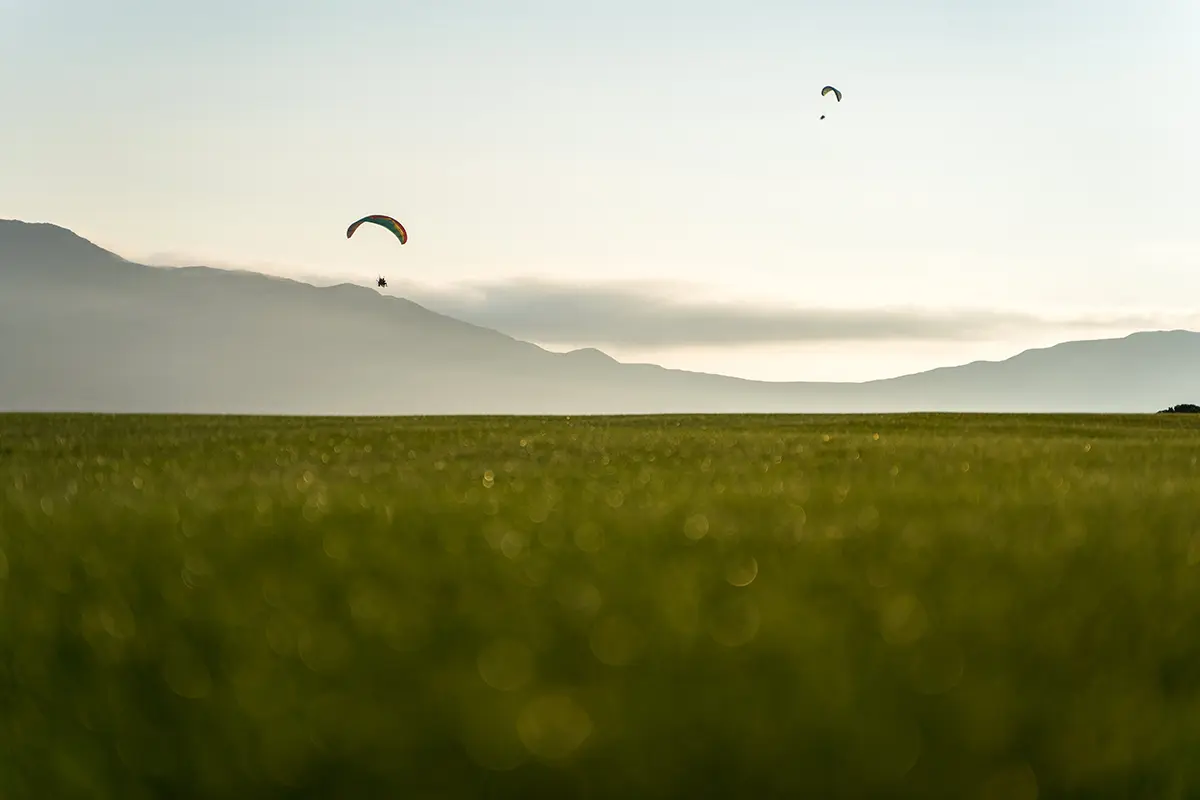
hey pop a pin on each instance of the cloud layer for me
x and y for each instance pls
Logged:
(649, 315)
(645, 315)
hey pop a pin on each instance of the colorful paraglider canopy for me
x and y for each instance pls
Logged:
(383, 221)
(836, 93)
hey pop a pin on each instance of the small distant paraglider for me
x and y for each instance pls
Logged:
(836, 93)
(381, 282)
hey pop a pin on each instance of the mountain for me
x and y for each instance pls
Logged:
(82, 329)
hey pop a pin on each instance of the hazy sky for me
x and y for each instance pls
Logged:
(571, 172)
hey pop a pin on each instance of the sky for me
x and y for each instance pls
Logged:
(650, 178)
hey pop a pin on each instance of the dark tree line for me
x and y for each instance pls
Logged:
(1182, 408)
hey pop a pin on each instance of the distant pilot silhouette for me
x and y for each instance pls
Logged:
(381, 282)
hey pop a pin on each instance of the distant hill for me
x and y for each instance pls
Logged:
(83, 329)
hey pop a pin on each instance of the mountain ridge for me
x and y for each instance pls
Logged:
(82, 328)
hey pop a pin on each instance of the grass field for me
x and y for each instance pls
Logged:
(926, 605)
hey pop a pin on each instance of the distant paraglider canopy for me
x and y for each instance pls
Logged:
(384, 222)
(381, 282)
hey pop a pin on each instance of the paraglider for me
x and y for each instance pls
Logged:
(836, 93)
(382, 221)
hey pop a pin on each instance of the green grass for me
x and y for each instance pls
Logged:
(925, 605)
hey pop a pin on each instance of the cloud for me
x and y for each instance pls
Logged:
(648, 315)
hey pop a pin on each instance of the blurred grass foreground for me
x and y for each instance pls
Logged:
(926, 605)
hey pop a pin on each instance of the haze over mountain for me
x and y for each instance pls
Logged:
(82, 329)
